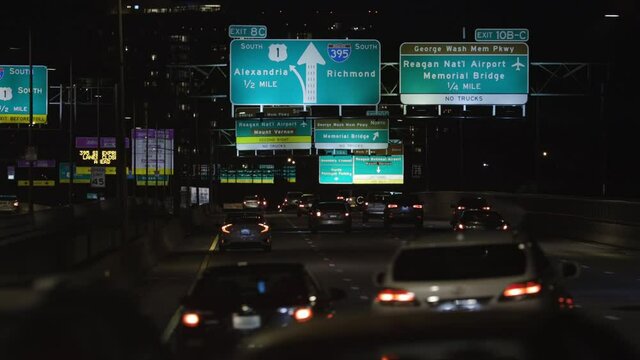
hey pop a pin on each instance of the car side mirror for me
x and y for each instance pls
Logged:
(379, 278)
(569, 270)
(337, 294)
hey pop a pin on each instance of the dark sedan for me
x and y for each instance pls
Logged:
(403, 208)
(481, 220)
(231, 302)
(245, 230)
(330, 214)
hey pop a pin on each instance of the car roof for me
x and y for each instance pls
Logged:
(466, 239)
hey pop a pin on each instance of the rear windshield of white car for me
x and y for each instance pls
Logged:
(339, 207)
(459, 263)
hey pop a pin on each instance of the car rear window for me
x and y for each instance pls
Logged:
(483, 216)
(473, 202)
(459, 263)
(404, 199)
(267, 287)
(332, 207)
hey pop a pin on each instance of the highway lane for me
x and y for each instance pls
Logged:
(606, 290)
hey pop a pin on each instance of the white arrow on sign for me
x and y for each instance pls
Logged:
(376, 135)
(293, 70)
(378, 169)
(311, 57)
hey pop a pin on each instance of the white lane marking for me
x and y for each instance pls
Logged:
(346, 279)
(332, 264)
(611, 317)
(175, 318)
(214, 243)
(585, 266)
(364, 297)
(609, 272)
(339, 270)
(326, 259)
(355, 288)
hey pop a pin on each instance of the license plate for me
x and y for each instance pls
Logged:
(246, 322)
(245, 232)
(333, 216)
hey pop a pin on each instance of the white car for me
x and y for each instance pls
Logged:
(471, 272)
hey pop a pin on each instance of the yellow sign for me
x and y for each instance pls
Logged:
(22, 119)
(106, 156)
(37, 183)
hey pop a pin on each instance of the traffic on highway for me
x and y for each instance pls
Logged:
(337, 180)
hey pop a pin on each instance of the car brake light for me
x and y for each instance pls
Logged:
(346, 214)
(303, 314)
(366, 203)
(505, 227)
(301, 205)
(460, 227)
(190, 319)
(16, 204)
(460, 207)
(265, 228)
(389, 296)
(318, 213)
(486, 208)
(225, 229)
(417, 206)
(519, 289)
(264, 203)
(286, 200)
(339, 197)
(392, 206)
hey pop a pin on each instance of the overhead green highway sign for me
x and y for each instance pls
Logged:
(361, 169)
(14, 94)
(304, 72)
(502, 35)
(273, 134)
(351, 133)
(466, 73)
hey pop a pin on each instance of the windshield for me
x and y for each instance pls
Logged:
(459, 263)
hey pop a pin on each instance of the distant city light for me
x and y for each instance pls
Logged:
(485, 165)
(545, 154)
(136, 7)
(293, 162)
(612, 15)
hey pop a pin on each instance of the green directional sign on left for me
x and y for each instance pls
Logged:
(304, 72)
(273, 134)
(14, 94)
(351, 133)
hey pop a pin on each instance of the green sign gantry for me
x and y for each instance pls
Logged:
(464, 73)
(365, 169)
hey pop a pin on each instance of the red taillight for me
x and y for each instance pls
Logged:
(264, 203)
(460, 207)
(190, 319)
(505, 227)
(301, 205)
(339, 197)
(520, 289)
(417, 206)
(388, 296)
(486, 208)
(460, 227)
(346, 214)
(225, 229)
(264, 227)
(318, 213)
(366, 204)
(303, 314)
(392, 206)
